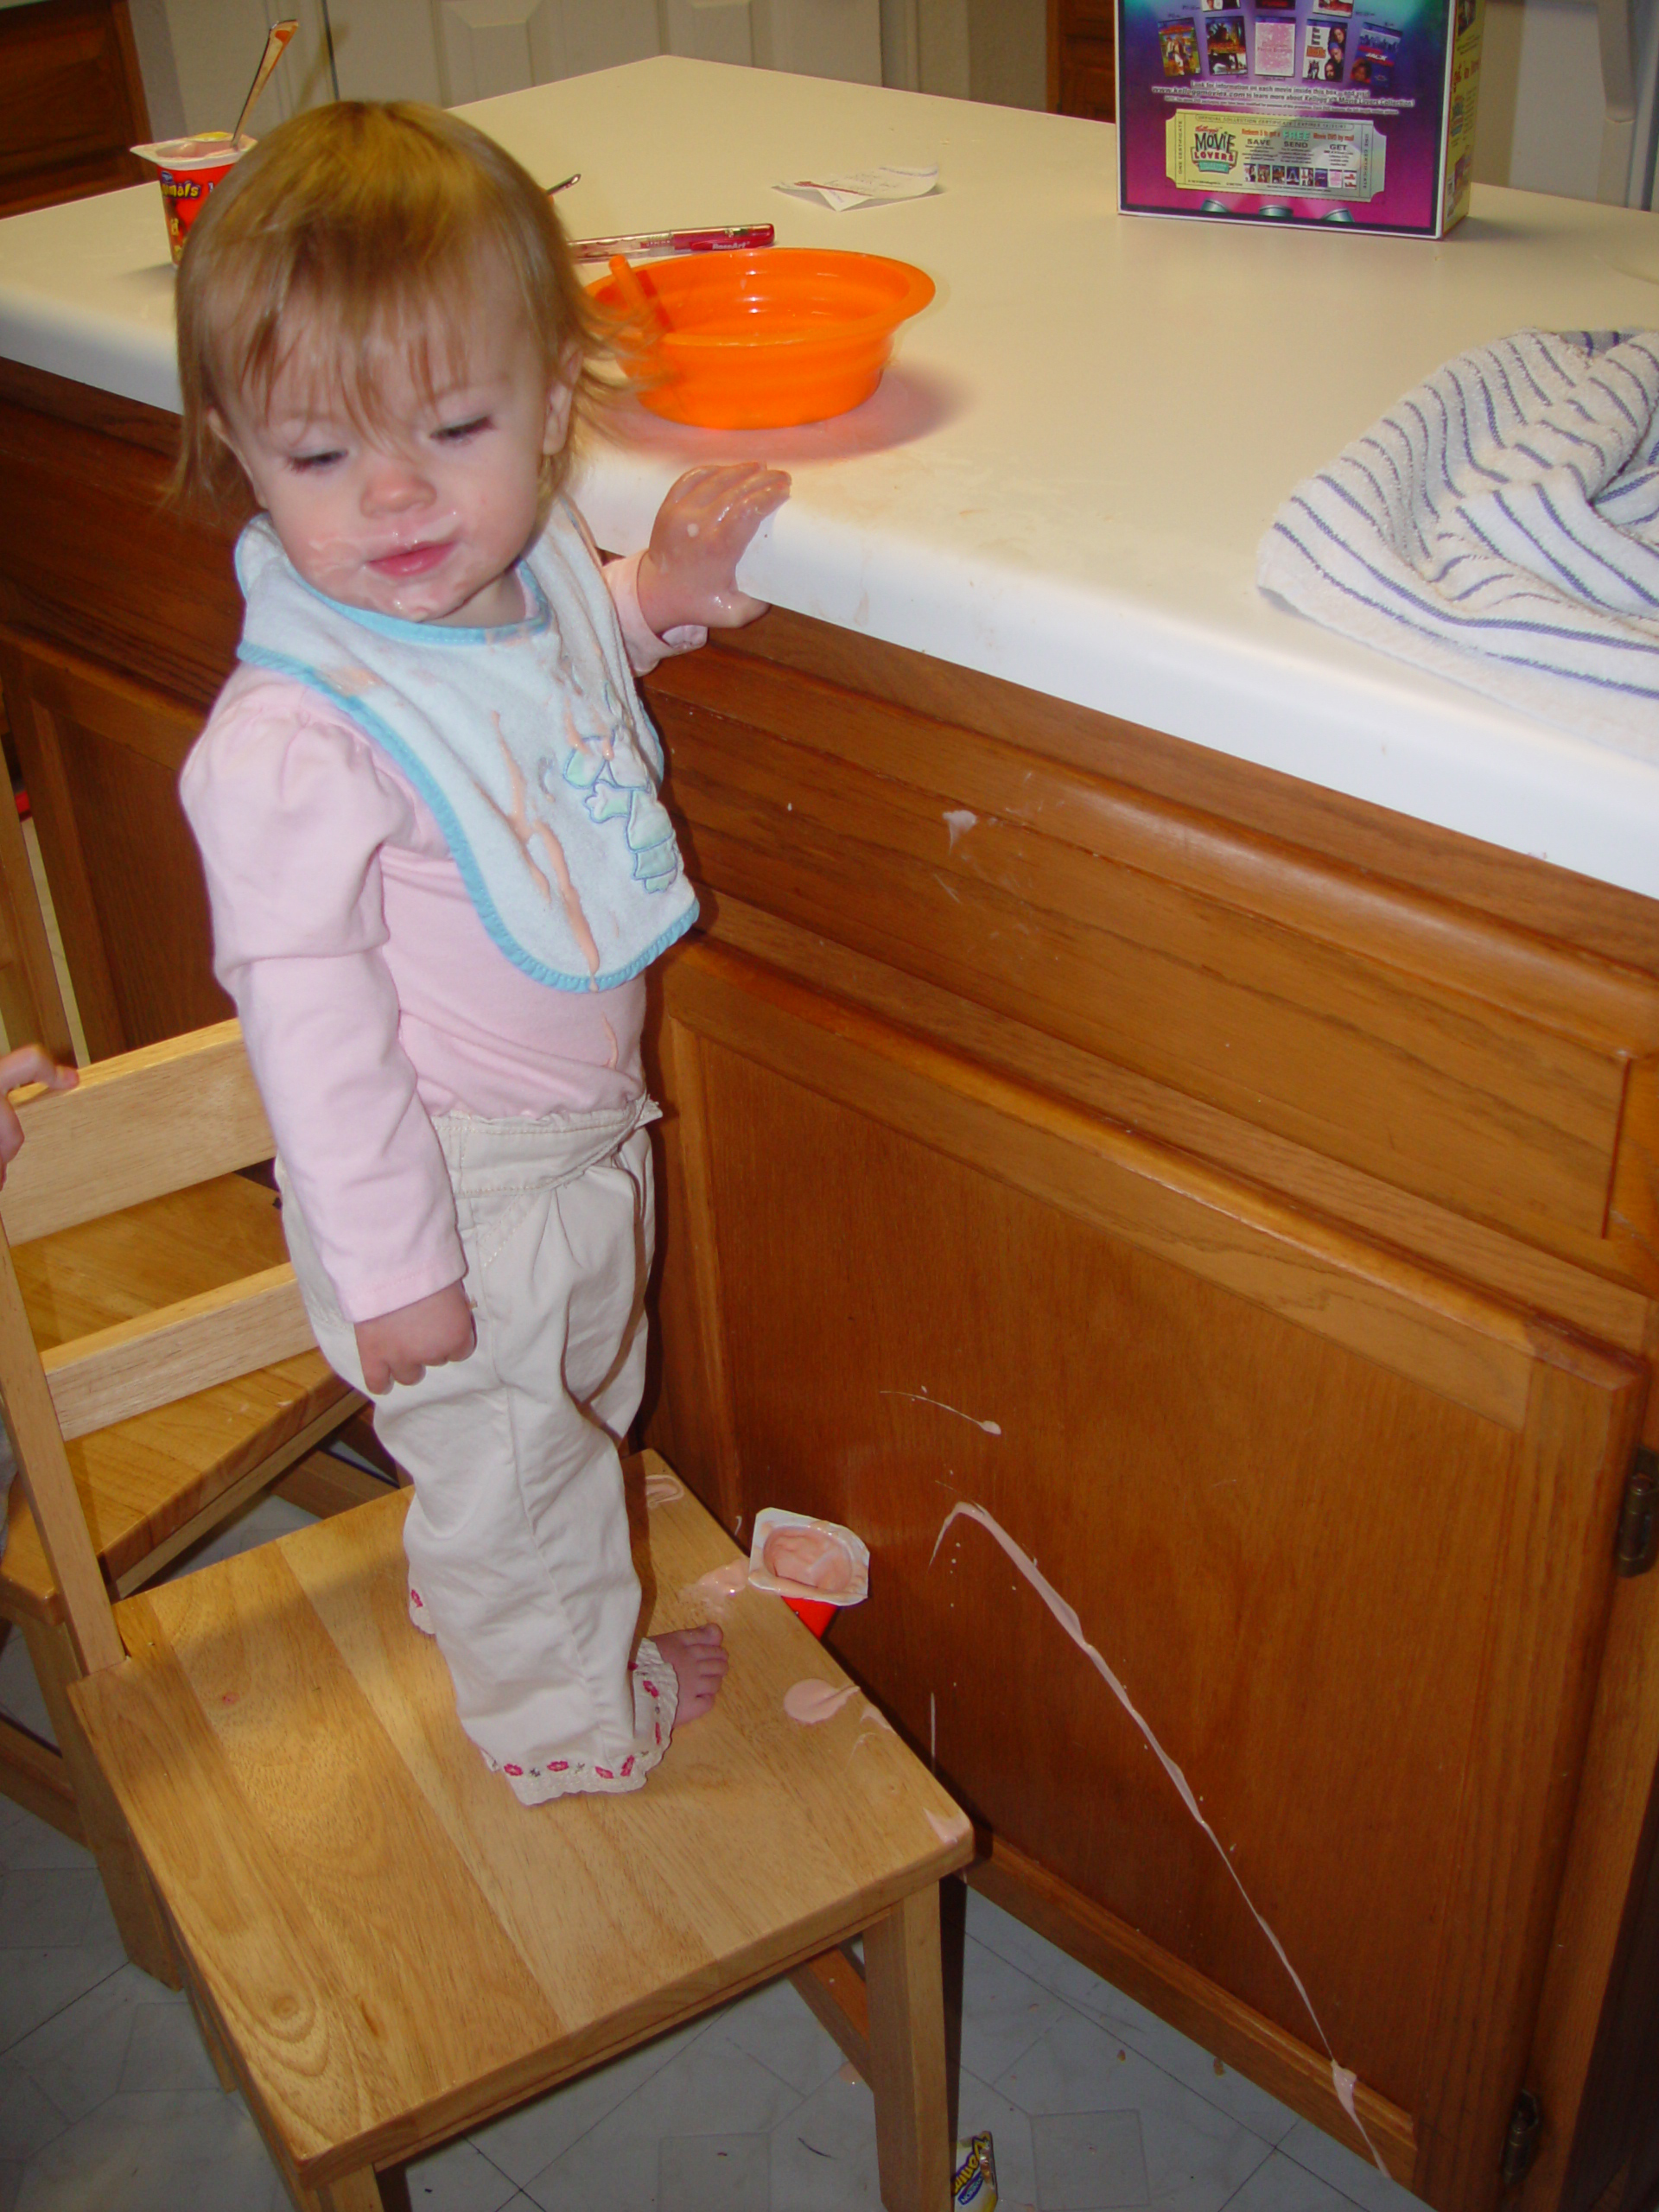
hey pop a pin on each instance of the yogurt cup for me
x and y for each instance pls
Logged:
(813, 1604)
(189, 169)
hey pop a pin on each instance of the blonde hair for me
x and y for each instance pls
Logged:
(362, 218)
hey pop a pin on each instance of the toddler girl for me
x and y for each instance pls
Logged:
(427, 806)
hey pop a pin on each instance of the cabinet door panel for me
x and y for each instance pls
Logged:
(91, 555)
(71, 103)
(1083, 58)
(1305, 1496)
(101, 759)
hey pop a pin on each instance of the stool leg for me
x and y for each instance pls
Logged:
(902, 1971)
(126, 1883)
(358, 2192)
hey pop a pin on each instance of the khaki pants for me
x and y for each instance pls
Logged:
(517, 1533)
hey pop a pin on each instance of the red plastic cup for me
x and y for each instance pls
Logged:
(816, 1612)
(187, 169)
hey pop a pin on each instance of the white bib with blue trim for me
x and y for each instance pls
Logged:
(529, 743)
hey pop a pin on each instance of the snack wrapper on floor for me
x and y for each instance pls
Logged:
(973, 2176)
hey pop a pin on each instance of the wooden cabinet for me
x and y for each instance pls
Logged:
(71, 101)
(1172, 1162)
(1343, 1525)
(1083, 58)
(1246, 1197)
(101, 757)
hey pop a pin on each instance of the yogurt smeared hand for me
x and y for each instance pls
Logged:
(688, 575)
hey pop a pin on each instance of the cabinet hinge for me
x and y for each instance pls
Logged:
(1638, 1521)
(1521, 2141)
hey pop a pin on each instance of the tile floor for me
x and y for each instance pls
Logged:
(108, 2103)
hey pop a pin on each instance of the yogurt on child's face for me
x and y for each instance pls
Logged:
(422, 511)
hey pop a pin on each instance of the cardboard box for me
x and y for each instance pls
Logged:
(1355, 112)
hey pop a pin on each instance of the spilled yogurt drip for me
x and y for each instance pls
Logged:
(813, 1702)
(1343, 2079)
(872, 1723)
(720, 1583)
(664, 1489)
(921, 1398)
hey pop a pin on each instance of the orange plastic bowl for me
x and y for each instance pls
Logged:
(755, 341)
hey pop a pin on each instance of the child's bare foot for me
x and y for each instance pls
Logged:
(699, 1658)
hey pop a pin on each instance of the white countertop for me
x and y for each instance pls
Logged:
(1064, 476)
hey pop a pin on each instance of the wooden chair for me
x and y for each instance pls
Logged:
(383, 1947)
(154, 1483)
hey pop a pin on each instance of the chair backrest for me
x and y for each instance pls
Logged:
(31, 1003)
(161, 1119)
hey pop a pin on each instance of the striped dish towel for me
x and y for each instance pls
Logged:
(1501, 526)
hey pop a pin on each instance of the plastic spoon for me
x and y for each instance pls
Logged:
(275, 46)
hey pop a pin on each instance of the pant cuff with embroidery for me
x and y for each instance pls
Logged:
(517, 1534)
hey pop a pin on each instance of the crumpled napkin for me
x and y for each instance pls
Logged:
(867, 187)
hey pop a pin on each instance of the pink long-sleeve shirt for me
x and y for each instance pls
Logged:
(372, 997)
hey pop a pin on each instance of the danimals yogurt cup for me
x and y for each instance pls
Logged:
(189, 169)
(813, 1565)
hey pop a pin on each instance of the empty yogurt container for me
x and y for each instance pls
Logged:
(188, 169)
(813, 1565)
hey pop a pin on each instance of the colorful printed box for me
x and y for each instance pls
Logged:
(1345, 111)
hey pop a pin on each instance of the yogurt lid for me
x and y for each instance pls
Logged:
(208, 149)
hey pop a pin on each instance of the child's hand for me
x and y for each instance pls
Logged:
(399, 1346)
(689, 571)
(29, 1063)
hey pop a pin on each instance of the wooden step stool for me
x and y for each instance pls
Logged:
(386, 1949)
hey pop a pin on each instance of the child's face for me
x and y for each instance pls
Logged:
(424, 515)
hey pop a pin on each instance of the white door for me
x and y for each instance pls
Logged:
(452, 51)
(501, 45)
